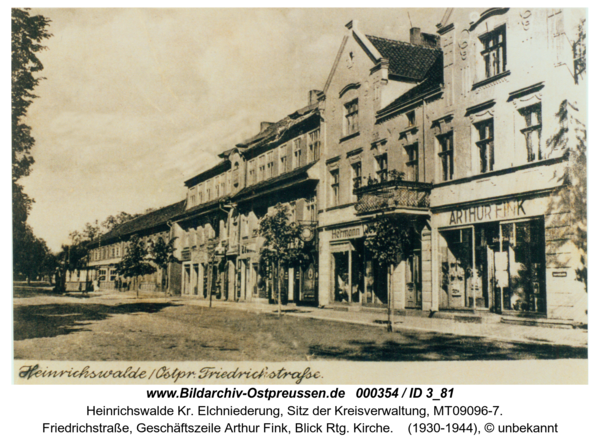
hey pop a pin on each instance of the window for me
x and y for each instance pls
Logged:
(351, 117)
(412, 166)
(102, 274)
(446, 155)
(117, 251)
(314, 145)
(208, 189)
(217, 189)
(532, 131)
(485, 143)
(193, 196)
(261, 168)
(269, 172)
(283, 164)
(382, 167)
(410, 117)
(200, 196)
(335, 187)
(297, 153)
(245, 226)
(356, 175)
(494, 51)
(235, 177)
(251, 172)
(311, 208)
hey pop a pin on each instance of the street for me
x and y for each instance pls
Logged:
(121, 327)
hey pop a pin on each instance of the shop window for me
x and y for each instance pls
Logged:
(348, 285)
(485, 144)
(494, 51)
(532, 117)
(456, 248)
(356, 175)
(102, 274)
(446, 153)
(382, 167)
(314, 145)
(351, 118)
(335, 187)
(412, 166)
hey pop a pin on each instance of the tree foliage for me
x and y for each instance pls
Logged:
(283, 246)
(32, 255)
(136, 260)
(567, 212)
(390, 239)
(27, 33)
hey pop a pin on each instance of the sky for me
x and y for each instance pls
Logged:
(136, 101)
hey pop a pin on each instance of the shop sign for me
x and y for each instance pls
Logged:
(488, 212)
(347, 233)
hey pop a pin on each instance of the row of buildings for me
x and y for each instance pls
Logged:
(445, 133)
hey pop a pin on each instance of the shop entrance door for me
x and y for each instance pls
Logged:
(523, 244)
(413, 280)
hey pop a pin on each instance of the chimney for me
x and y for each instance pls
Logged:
(313, 96)
(415, 36)
(265, 125)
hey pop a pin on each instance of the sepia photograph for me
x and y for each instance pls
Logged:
(324, 188)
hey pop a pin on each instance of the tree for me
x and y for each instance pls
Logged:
(567, 211)
(32, 254)
(390, 240)
(27, 33)
(283, 246)
(112, 222)
(162, 255)
(135, 262)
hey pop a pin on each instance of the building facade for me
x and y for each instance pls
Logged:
(445, 135)
(106, 252)
(219, 242)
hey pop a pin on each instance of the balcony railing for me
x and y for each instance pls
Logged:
(392, 195)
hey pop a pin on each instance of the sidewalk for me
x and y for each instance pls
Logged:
(457, 325)
(492, 330)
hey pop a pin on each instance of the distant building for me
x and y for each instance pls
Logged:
(109, 249)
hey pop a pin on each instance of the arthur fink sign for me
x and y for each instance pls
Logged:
(489, 212)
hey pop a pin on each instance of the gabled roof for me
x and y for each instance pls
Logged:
(144, 222)
(434, 80)
(406, 60)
